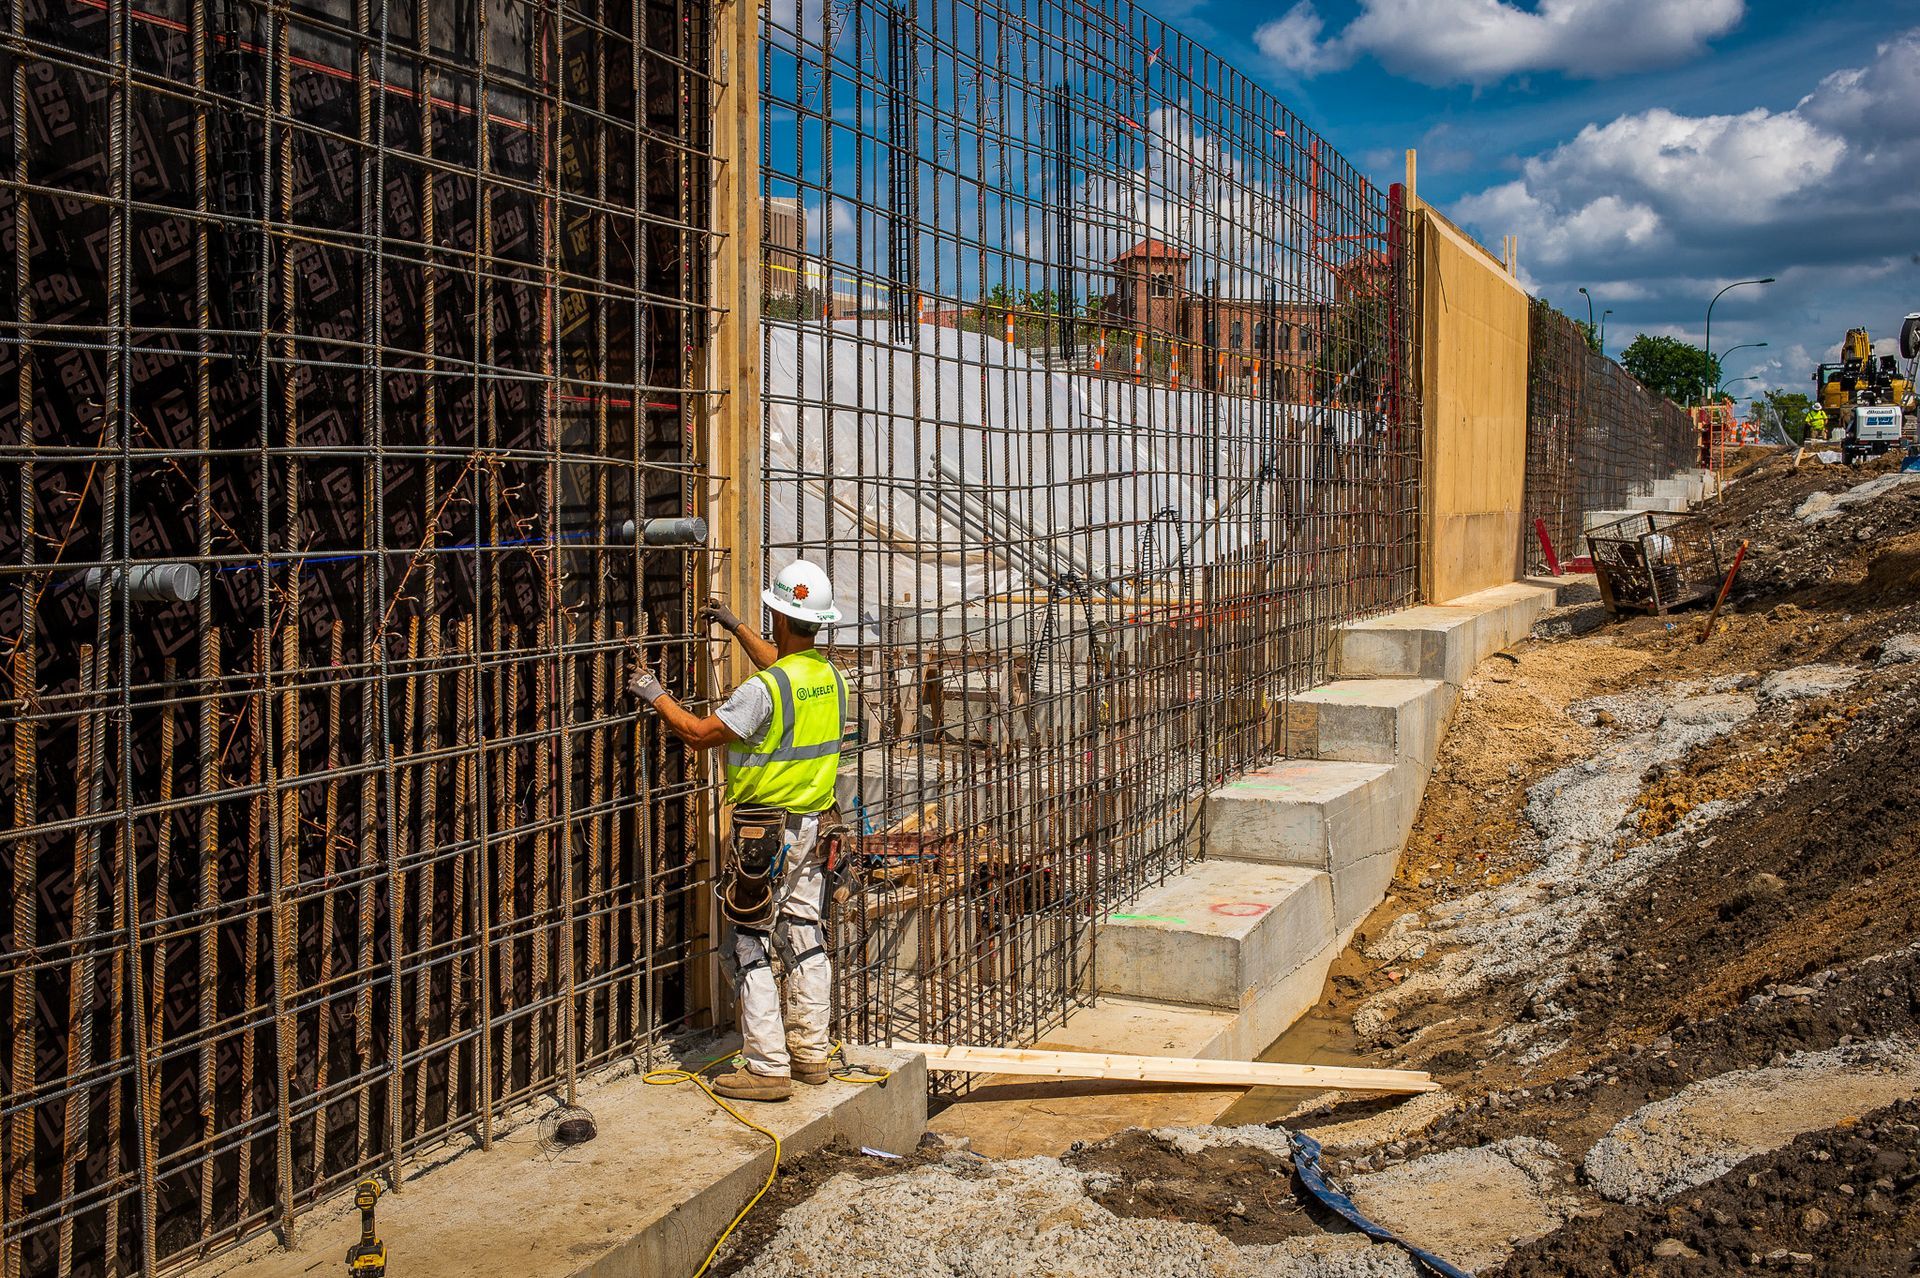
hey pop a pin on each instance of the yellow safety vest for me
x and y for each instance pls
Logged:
(797, 759)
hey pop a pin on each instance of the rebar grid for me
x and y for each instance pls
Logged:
(1595, 436)
(1088, 379)
(383, 316)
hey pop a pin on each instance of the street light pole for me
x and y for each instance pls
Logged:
(1744, 346)
(1603, 329)
(1726, 386)
(1716, 297)
(1589, 297)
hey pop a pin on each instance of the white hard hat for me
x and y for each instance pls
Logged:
(801, 591)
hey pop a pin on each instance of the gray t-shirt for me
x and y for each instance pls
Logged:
(748, 710)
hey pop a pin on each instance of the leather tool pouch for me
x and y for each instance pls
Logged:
(745, 885)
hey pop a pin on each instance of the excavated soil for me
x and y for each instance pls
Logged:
(1842, 1203)
(1248, 1194)
(1654, 881)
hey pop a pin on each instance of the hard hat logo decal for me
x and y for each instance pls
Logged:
(799, 592)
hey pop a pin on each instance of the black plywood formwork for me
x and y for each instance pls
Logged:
(382, 317)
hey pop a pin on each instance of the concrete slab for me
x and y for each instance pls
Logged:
(1560, 585)
(1507, 615)
(1274, 1008)
(1216, 935)
(1137, 1027)
(647, 1196)
(1370, 720)
(1359, 884)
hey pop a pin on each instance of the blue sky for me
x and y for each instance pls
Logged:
(1651, 150)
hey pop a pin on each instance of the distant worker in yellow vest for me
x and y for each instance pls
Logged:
(1816, 423)
(782, 729)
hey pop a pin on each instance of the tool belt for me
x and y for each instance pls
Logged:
(746, 883)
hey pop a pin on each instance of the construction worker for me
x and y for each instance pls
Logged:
(1816, 423)
(782, 729)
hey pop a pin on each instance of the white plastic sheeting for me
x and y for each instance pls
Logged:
(964, 469)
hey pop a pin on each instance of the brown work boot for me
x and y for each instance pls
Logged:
(812, 1073)
(744, 1084)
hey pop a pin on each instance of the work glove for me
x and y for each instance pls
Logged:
(717, 613)
(641, 681)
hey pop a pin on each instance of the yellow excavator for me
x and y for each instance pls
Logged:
(1866, 399)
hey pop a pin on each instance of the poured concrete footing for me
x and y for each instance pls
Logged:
(647, 1196)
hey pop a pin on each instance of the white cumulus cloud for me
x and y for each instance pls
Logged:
(1483, 41)
(1824, 195)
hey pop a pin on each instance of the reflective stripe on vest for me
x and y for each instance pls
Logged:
(796, 760)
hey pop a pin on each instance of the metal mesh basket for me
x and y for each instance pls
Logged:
(1655, 562)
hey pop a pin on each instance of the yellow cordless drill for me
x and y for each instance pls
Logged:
(368, 1257)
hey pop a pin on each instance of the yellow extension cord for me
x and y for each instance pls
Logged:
(674, 1077)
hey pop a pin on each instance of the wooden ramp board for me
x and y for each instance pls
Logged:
(1032, 1062)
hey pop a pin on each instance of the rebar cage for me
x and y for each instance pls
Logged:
(340, 342)
(1087, 376)
(1595, 436)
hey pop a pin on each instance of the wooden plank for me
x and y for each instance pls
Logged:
(1032, 1062)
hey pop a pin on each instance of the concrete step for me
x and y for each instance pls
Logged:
(1672, 505)
(1218, 935)
(1439, 641)
(1370, 720)
(1595, 518)
(1433, 641)
(1296, 811)
(1347, 820)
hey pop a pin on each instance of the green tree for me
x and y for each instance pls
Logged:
(1592, 333)
(1668, 366)
(1786, 410)
(805, 304)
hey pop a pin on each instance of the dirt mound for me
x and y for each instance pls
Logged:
(1821, 867)
(1509, 730)
(1893, 574)
(1811, 543)
(1248, 1194)
(1844, 1203)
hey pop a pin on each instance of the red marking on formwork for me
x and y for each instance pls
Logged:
(1240, 909)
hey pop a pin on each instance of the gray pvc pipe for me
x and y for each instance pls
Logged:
(685, 530)
(150, 583)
